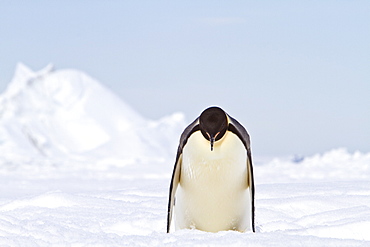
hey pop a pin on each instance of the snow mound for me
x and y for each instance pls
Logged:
(59, 113)
(336, 164)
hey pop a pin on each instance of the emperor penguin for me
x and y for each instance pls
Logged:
(212, 185)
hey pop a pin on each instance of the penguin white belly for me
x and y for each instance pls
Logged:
(213, 193)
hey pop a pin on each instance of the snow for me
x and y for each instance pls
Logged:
(79, 167)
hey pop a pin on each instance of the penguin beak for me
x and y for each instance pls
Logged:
(212, 140)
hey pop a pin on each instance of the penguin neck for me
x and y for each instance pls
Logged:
(215, 148)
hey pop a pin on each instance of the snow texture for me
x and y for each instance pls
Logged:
(79, 167)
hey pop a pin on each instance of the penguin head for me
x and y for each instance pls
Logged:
(213, 124)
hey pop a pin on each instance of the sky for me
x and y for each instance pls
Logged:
(296, 74)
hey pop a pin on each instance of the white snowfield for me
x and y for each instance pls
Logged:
(78, 167)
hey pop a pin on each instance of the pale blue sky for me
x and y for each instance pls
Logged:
(295, 73)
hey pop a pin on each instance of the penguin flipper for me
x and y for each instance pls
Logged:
(173, 187)
(241, 132)
(251, 186)
(194, 126)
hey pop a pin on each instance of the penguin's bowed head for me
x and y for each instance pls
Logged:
(213, 124)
